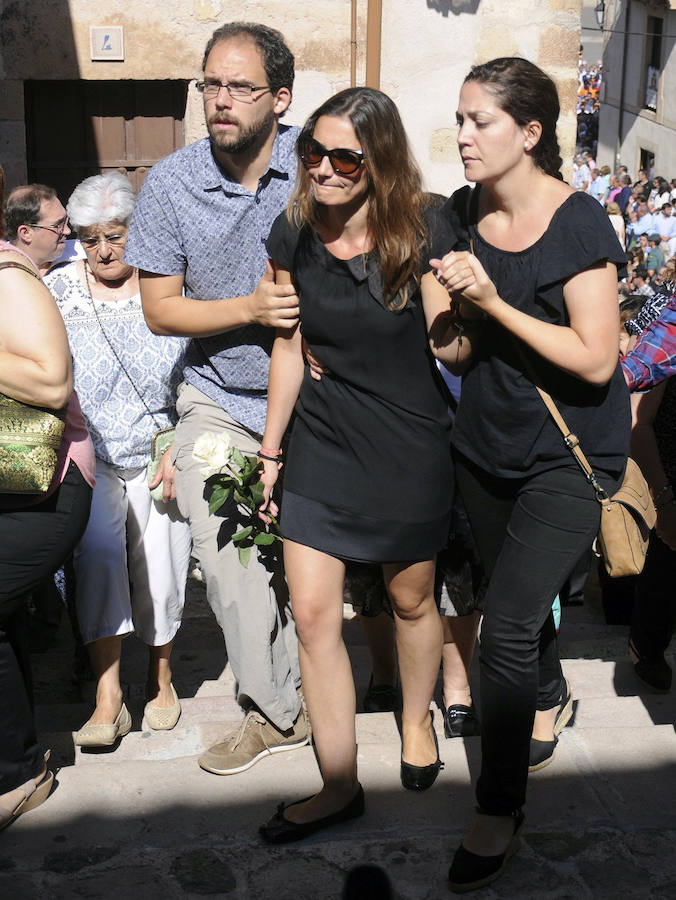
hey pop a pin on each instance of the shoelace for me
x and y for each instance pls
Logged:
(251, 716)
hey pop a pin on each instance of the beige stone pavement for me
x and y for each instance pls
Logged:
(145, 822)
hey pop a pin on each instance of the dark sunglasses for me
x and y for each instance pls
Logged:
(343, 161)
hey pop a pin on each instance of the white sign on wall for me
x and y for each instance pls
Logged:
(106, 42)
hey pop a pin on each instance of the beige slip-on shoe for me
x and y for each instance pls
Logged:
(163, 718)
(35, 792)
(91, 735)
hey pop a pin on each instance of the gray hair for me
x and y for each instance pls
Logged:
(101, 198)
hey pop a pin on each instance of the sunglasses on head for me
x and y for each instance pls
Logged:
(343, 161)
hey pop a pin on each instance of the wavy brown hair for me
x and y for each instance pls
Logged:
(395, 195)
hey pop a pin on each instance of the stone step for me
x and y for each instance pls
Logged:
(600, 823)
(619, 773)
(207, 720)
(608, 678)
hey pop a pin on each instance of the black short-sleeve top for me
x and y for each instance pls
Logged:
(502, 424)
(373, 436)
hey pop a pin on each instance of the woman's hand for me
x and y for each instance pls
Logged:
(165, 473)
(461, 273)
(269, 476)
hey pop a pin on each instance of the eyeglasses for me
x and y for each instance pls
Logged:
(59, 228)
(343, 161)
(115, 240)
(241, 92)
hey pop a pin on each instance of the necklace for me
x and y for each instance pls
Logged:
(121, 283)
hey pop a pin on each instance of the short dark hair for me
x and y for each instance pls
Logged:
(527, 94)
(277, 58)
(23, 206)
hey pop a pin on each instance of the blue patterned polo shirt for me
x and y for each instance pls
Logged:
(191, 219)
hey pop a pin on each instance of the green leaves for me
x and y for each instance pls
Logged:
(218, 497)
(241, 487)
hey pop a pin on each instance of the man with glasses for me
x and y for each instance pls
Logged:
(37, 223)
(198, 237)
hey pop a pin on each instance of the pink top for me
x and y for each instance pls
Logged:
(76, 445)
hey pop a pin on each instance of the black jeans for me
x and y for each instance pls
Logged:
(530, 534)
(34, 541)
(652, 625)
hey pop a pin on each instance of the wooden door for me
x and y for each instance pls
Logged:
(80, 128)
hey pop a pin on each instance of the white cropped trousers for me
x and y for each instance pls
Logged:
(132, 562)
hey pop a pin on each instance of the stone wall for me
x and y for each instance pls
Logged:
(641, 128)
(427, 48)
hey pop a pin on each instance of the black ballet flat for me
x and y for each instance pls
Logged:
(461, 721)
(469, 871)
(280, 830)
(419, 778)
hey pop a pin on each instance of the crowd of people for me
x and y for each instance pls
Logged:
(589, 83)
(296, 291)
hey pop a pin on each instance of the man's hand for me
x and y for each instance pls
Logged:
(274, 305)
(165, 473)
(317, 369)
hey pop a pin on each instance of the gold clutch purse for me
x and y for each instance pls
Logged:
(30, 437)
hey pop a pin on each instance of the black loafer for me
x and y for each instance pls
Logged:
(469, 871)
(542, 752)
(282, 831)
(419, 778)
(461, 721)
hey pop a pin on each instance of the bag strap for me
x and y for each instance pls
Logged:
(116, 354)
(11, 264)
(570, 440)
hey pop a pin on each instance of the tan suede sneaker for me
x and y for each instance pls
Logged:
(255, 738)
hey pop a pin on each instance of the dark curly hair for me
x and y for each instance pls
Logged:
(278, 60)
(528, 94)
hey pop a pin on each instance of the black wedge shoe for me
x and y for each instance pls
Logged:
(469, 871)
(542, 752)
(280, 830)
(419, 778)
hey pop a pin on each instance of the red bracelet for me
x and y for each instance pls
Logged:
(270, 452)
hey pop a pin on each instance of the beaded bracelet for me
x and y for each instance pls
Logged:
(270, 458)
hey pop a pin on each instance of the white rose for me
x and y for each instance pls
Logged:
(213, 450)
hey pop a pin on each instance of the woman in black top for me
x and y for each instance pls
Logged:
(369, 474)
(539, 284)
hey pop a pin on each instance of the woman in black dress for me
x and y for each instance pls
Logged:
(369, 475)
(539, 285)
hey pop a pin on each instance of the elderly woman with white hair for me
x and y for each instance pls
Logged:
(131, 564)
